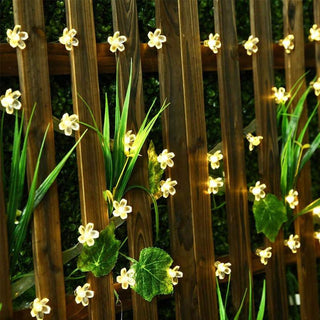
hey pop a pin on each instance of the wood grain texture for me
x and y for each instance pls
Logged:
(180, 76)
(233, 151)
(35, 88)
(6, 312)
(59, 59)
(139, 223)
(316, 13)
(306, 261)
(84, 73)
(268, 151)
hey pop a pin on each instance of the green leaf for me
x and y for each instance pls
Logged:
(269, 214)
(262, 302)
(155, 172)
(151, 273)
(222, 307)
(102, 256)
(309, 207)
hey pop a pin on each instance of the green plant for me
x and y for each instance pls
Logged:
(270, 212)
(18, 216)
(150, 275)
(223, 304)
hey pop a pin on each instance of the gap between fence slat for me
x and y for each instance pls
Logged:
(233, 151)
(5, 288)
(306, 261)
(180, 76)
(139, 222)
(268, 153)
(92, 181)
(35, 88)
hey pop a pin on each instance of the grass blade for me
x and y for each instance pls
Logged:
(241, 306)
(20, 231)
(46, 184)
(262, 306)
(222, 311)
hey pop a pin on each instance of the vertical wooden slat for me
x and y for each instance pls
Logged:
(316, 13)
(233, 149)
(91, 171)
(139, 223)
(306, 261)
(35, 88)
(5, 288)
(180, 75)
(268, 156)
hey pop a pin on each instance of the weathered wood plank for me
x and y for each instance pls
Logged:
(233, 150)
(180, 76)
(268, 153)
(84, 73)
(59, 59)
(139, 224)
(316, 13)
(35, 88)
(306, 262)
(6, 312)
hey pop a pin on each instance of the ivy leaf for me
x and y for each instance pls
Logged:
(102, 256)
(151, 273)
(155, 172)
(269, 213)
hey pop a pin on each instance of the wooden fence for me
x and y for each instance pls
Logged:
(180, 64)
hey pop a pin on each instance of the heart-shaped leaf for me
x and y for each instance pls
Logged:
(269, 213)
(151, 273)
(102, 256)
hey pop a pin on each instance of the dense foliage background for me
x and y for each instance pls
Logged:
(62, 102)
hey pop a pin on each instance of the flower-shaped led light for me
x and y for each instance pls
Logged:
(68, 38)
(69, 123)
(214, 185)
(116, 42)
(174, 274)
(280, 95)
(317, 235)
(316, 211)
(16, 37)
(314, 33)
(214, 159)
(83, 294)
(222, 269)
(129, 139)
(251, 45)
(10, 100)
(258, 191)
(293, 243)
(264, 255)
(292, 198)
(156, 39)
(253, 140)
(87, 234)
(316, 86)
(121, 209)
(287, 43)
(39, 308)
(213, 43)
(164, 158)
(126, 278)
(167, 187)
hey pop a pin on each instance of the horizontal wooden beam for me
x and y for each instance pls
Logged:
(59, 63)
